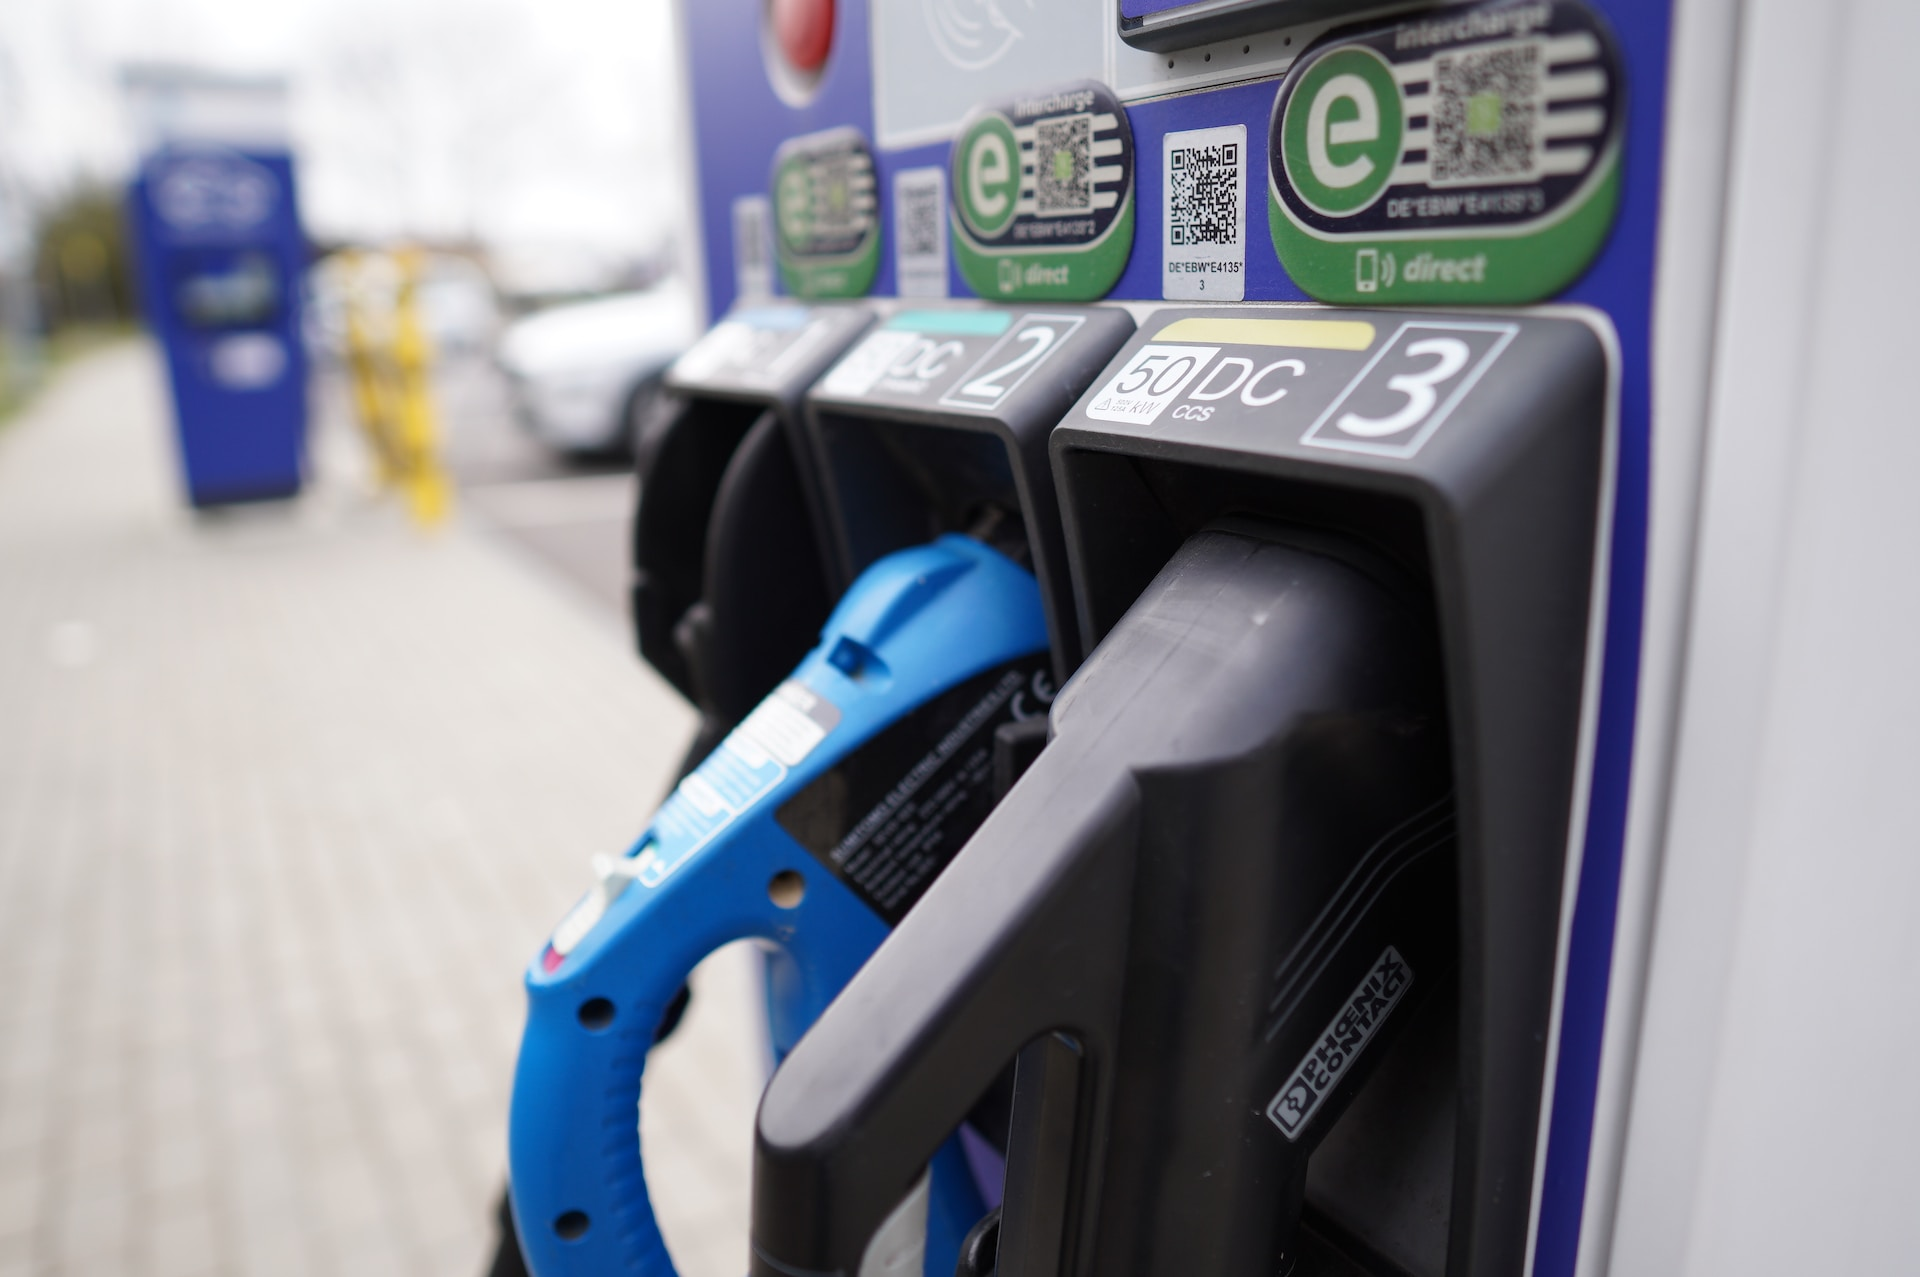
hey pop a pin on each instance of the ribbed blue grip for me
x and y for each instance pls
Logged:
(581, 1072)
(926, 620)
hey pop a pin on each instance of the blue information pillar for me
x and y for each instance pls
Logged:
(222, 258)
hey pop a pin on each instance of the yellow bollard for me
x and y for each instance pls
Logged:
(363, 366)
(390, 367)
(416, 425)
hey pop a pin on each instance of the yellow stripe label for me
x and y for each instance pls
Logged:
(1302, 334)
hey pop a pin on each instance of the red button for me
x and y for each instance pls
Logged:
(804, 31)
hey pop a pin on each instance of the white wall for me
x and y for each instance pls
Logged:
(1775, 1117)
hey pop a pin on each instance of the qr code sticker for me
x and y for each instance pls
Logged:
(1204, 194)
(750, 234)
(1203, 249)
(919, 220)
(920, 231)
(1063, 165)
(1486, 114)
(837, 211)
(753, 246)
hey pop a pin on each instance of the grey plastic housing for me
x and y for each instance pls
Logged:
(1467, 454)
(1242, 812)
(732, 569)
(1496, 502)
(905, 453)
(783, 348)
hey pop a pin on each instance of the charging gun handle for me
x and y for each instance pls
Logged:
(578, 1188)
(1023, 936)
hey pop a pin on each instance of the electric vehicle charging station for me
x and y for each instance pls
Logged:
(221, 263)
(214, 219)
(1598, 178)
(870, 764)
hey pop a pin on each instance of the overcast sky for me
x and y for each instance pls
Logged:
(518, 120)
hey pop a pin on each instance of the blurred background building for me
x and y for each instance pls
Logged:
(532, 147)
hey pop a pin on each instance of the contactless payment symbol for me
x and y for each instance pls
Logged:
(826, 214)
(1042, 191)
(1468, 155)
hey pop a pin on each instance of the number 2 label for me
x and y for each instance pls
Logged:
(1409, 388)
(1010, 361)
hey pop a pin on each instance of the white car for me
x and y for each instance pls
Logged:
(582, 374)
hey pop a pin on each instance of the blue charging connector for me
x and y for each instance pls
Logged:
(717, 865)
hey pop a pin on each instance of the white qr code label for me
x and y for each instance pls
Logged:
(1204, 248)
(920, 231)
(753, 247)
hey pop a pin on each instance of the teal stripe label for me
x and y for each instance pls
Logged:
(965, 323)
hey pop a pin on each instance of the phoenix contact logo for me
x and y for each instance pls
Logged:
(1340, 1045)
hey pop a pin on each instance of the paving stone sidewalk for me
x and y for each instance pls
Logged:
(287, 797)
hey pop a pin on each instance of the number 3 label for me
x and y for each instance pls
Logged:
(1408, 389)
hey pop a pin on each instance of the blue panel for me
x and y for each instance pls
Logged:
(739, 120)
(1620, 282)
(222, 266)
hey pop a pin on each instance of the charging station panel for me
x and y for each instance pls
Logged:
(938, 422)
(1487, 158)
(222, 261)
(1336, 571)
(765, 357)
(1470, 450)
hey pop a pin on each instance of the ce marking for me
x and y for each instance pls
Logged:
(1042, 689)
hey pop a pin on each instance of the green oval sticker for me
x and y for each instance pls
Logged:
(826, 216)
(1042, 195)
(1466, 155)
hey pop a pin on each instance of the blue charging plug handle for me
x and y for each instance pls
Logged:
(716, 866)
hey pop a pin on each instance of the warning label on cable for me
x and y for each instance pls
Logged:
(888, 818)
(754, 758)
